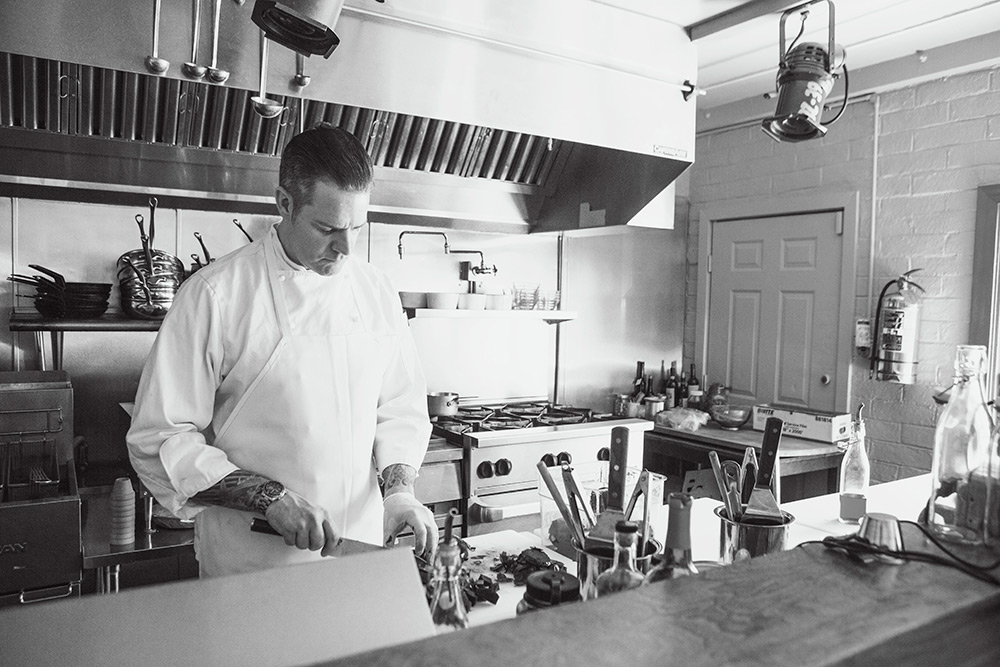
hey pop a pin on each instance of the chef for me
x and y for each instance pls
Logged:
(284, 383)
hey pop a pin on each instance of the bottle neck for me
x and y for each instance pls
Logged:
(678, 529)
(625, 552)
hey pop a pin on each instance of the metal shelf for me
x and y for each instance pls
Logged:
(35, 321)
(548, 316)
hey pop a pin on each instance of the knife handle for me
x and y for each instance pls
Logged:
(749, 481)
(262, 526)
(769, 451)
(617, 464)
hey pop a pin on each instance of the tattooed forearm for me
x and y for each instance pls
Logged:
(239, 490)
(398, 477)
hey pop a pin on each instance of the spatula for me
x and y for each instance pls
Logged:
(602, 535)
(763, 507)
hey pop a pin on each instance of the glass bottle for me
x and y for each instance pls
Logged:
(675, 561)
(640, 378)
(671, 390)
(623, 574)
(661, 384)
(855, 474)
(956, 509)
(447, 606)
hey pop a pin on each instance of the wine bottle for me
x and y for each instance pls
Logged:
(692, 379)
(682, 390)
(675, 561)
(640, 377)
(671, 389)
(661, 385)
(624, 574)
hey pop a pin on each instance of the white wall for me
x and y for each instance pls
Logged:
(929, 147)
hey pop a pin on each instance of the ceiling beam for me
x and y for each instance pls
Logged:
(735, 16)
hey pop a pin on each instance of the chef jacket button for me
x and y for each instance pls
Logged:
(282, 277)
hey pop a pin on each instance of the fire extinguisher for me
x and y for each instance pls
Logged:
(897, 325)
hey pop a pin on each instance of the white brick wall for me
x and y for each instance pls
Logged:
(937, 142)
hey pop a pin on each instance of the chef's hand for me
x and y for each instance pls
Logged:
(402, 509)
(302, 524)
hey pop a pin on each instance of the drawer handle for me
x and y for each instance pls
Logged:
(25, 600)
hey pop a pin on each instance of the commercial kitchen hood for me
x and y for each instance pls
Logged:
(501, 115)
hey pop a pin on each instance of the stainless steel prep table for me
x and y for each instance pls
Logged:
(807, 468)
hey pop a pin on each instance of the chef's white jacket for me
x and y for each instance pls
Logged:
(217, 341)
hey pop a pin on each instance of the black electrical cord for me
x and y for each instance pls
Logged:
(802, 29)
(847, 91)
(857, 547)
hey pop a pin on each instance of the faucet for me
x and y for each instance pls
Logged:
(403, 233)
(482, 269)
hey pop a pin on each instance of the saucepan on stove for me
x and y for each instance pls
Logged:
(442, 403)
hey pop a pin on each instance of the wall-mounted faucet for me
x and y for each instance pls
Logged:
(482, 269)
(403, 233)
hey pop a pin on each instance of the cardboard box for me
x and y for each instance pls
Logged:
(812, 425)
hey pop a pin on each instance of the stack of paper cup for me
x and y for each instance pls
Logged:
(122, 512)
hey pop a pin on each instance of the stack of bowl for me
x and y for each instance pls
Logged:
(148, 282)
(56, 298)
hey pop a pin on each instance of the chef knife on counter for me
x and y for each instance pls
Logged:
(345, 547)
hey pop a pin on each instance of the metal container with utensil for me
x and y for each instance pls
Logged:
(148, 280)
(751, 538)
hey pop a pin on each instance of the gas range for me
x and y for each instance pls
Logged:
(503, 444)
(510, 416)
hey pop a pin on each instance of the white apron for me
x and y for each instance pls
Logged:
(307, 420)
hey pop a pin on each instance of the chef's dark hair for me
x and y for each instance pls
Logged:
(324, 153)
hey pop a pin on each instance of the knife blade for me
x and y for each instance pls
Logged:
(345, 547)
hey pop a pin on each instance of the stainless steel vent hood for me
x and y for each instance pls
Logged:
(501, 115)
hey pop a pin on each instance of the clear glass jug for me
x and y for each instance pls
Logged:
(960, 473)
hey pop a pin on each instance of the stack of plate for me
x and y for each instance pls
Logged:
(148, 282)
(55, 297)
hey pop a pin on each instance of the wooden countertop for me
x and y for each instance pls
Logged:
(713, 434)
(809, 606)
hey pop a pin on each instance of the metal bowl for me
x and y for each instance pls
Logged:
(731, 417)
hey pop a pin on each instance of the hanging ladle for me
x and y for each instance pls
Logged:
(152, 220)
(208, 257)
(301, 80)
(265, 107)
(154, 63)
(245, 232)
(145, 242)
(192, 69)
(216, 75)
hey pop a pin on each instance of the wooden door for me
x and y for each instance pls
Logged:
(774, 309)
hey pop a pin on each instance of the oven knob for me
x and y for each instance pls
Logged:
(485, 470)
(565, 458)
(549, 461)
(603, 454)
(504, 467)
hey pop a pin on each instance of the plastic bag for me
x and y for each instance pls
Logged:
(686, 419)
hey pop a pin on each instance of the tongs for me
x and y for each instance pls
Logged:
(650, 487)
(576, 500)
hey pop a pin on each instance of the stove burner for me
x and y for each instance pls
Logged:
(501, 417)
(470, 413)
(501, 422)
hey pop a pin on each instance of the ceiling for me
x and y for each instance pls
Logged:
(888, 43)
